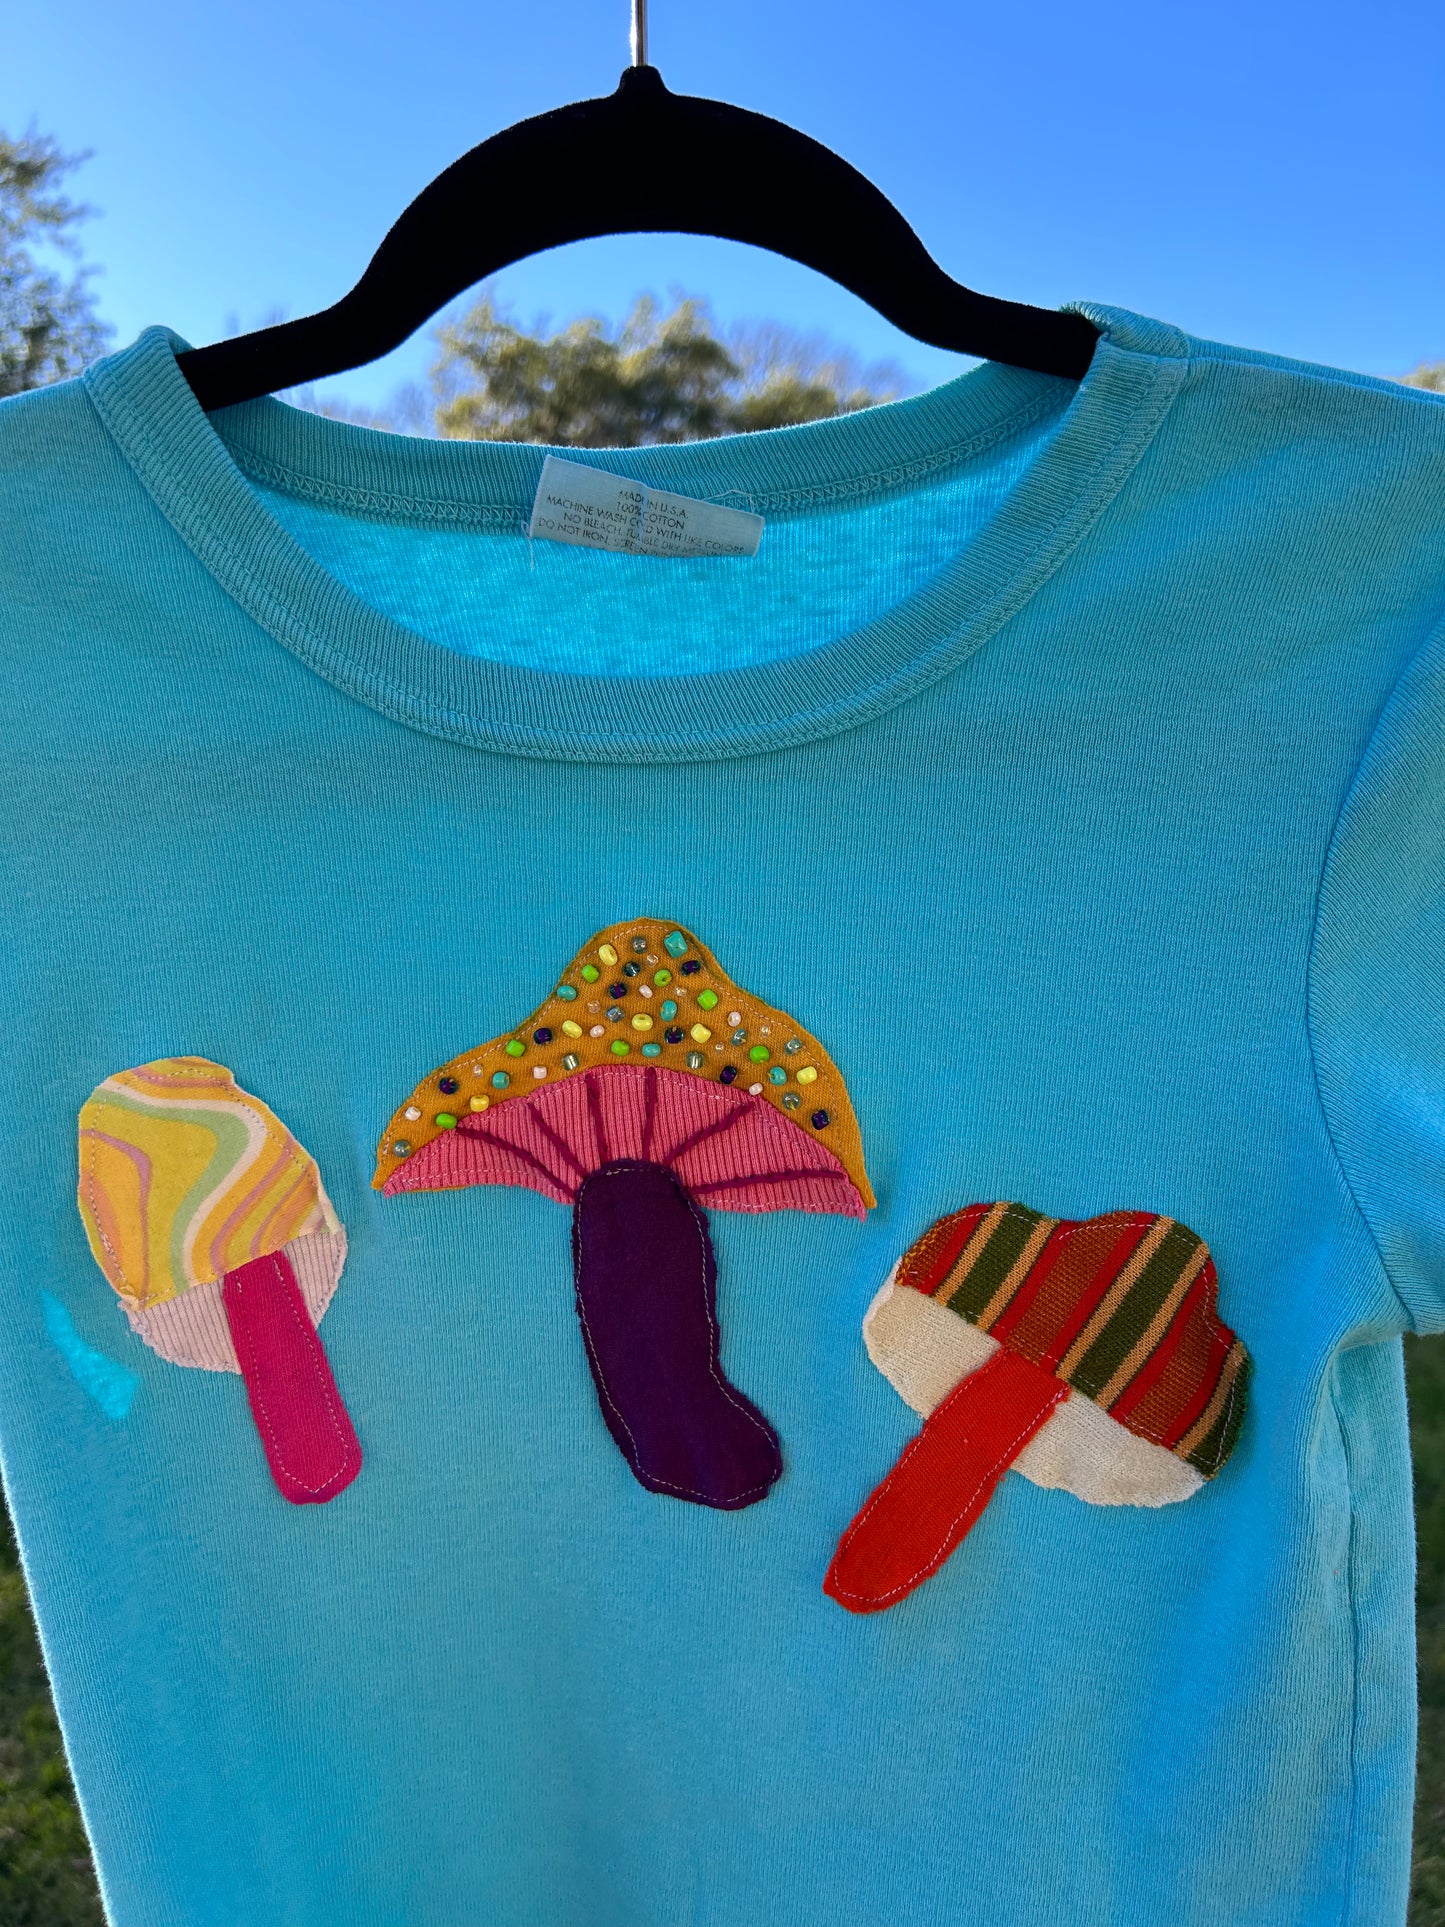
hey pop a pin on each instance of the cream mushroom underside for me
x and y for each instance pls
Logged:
(924, 1351)
(192, 1328)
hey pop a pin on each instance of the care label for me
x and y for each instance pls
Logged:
(598, 510)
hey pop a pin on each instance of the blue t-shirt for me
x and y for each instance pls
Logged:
(1065, 776)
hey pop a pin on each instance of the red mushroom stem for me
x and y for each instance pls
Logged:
(943, 1480)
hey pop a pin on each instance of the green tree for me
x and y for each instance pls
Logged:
(48, 325)
(661, 377)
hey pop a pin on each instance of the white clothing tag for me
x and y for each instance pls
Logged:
(598, 510)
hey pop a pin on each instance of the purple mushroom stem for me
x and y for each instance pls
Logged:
(636, 1152)
(646, 1296)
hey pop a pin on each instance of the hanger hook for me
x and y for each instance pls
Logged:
(639, 33)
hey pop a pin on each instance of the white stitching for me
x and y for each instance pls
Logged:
(926, 1571)
(328, 1388)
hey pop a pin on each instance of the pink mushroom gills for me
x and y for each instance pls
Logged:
(647, 1089)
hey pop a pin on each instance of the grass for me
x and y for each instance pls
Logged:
(45, 1872)
(1425, 1367)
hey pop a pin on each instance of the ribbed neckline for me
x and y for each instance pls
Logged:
(197, 471)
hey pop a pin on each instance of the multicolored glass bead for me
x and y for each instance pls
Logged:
(446, 1120)
(617, 990)
(570, 1062)
(639, 944)
(446, 1085)
(661, 977)
(727, 1074)
(675, 945)
(691, 967)
(669, 1008)
(694, 1060)
(820, 1120)
(620, 1047)
(652, 1050)
(500, 1080)
(515, 1049)
(567, 992)
(607, 953)
(590, 973)
(401, 1148)
(674, 1033)
(791, 1100)
(707, 999)
(759, 1053)
(700, 1033)
(542, 1036)
(808, 1074)
(777, 1075)
(631, 969)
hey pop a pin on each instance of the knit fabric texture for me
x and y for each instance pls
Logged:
(1071, 760)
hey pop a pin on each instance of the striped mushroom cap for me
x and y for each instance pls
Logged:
(1083, 1353)
(639, 993)
(1122, 1308)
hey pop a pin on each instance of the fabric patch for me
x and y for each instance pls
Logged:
(649, 1077)
(646, 1297)
(1119, 1312)
(942, 1482)
(187, 1182)
(109, 1383)
(305, 1429)
(640, 992)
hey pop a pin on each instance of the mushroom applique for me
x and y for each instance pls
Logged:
(1086, 1354)
(212, 1225)
(645, 1091)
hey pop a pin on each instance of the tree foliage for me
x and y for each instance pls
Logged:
(48, 325)
(663, 376)
(1430, 374)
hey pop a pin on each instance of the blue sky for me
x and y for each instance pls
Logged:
(1271, 174)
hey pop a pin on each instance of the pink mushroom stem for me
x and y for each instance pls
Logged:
(306, 1431)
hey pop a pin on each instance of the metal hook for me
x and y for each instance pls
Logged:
(639, 33)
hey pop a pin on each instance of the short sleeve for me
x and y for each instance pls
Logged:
(1377, 988)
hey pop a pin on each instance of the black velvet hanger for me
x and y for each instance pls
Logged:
(642, 160)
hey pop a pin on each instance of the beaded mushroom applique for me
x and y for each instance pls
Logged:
(645, 1091)
(214, 1229)
(1085, 1353)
